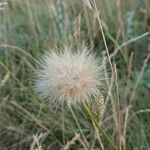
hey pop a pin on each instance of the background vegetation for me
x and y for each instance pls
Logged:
(30, 27)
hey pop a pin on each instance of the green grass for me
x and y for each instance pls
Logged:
(29, 28)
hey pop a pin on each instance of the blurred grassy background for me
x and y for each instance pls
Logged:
(30, 27)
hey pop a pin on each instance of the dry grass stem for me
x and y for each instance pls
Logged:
(69, 143)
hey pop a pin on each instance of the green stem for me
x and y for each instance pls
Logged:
(95, 123)
(74, 116)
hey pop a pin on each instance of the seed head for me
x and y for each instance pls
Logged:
(71, 77)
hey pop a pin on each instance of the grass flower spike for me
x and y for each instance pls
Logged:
(71, 77)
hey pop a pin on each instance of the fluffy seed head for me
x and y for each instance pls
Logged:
(73, 77)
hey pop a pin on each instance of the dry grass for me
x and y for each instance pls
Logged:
(119, 30)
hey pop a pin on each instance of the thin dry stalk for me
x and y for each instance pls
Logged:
(69, 143)
(88, 4)
(93, 6)
(119, 135)
(139, 78)
(125, 127)
(36, 142)
(96, 135)
(121, 24)
(3, 102)
(96, 124)
(127, 119)
(112, 55)
(31, 18)
(137, 112)
(128, 74)
(129, 67)
(33, 118)
(79, 127)
(20, 50)
(109, 95)
(97, 14)
(4, 80)
(6, 68)
(83, 144)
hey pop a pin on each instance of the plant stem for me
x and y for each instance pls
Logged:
(74, 116)
(95, 123)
